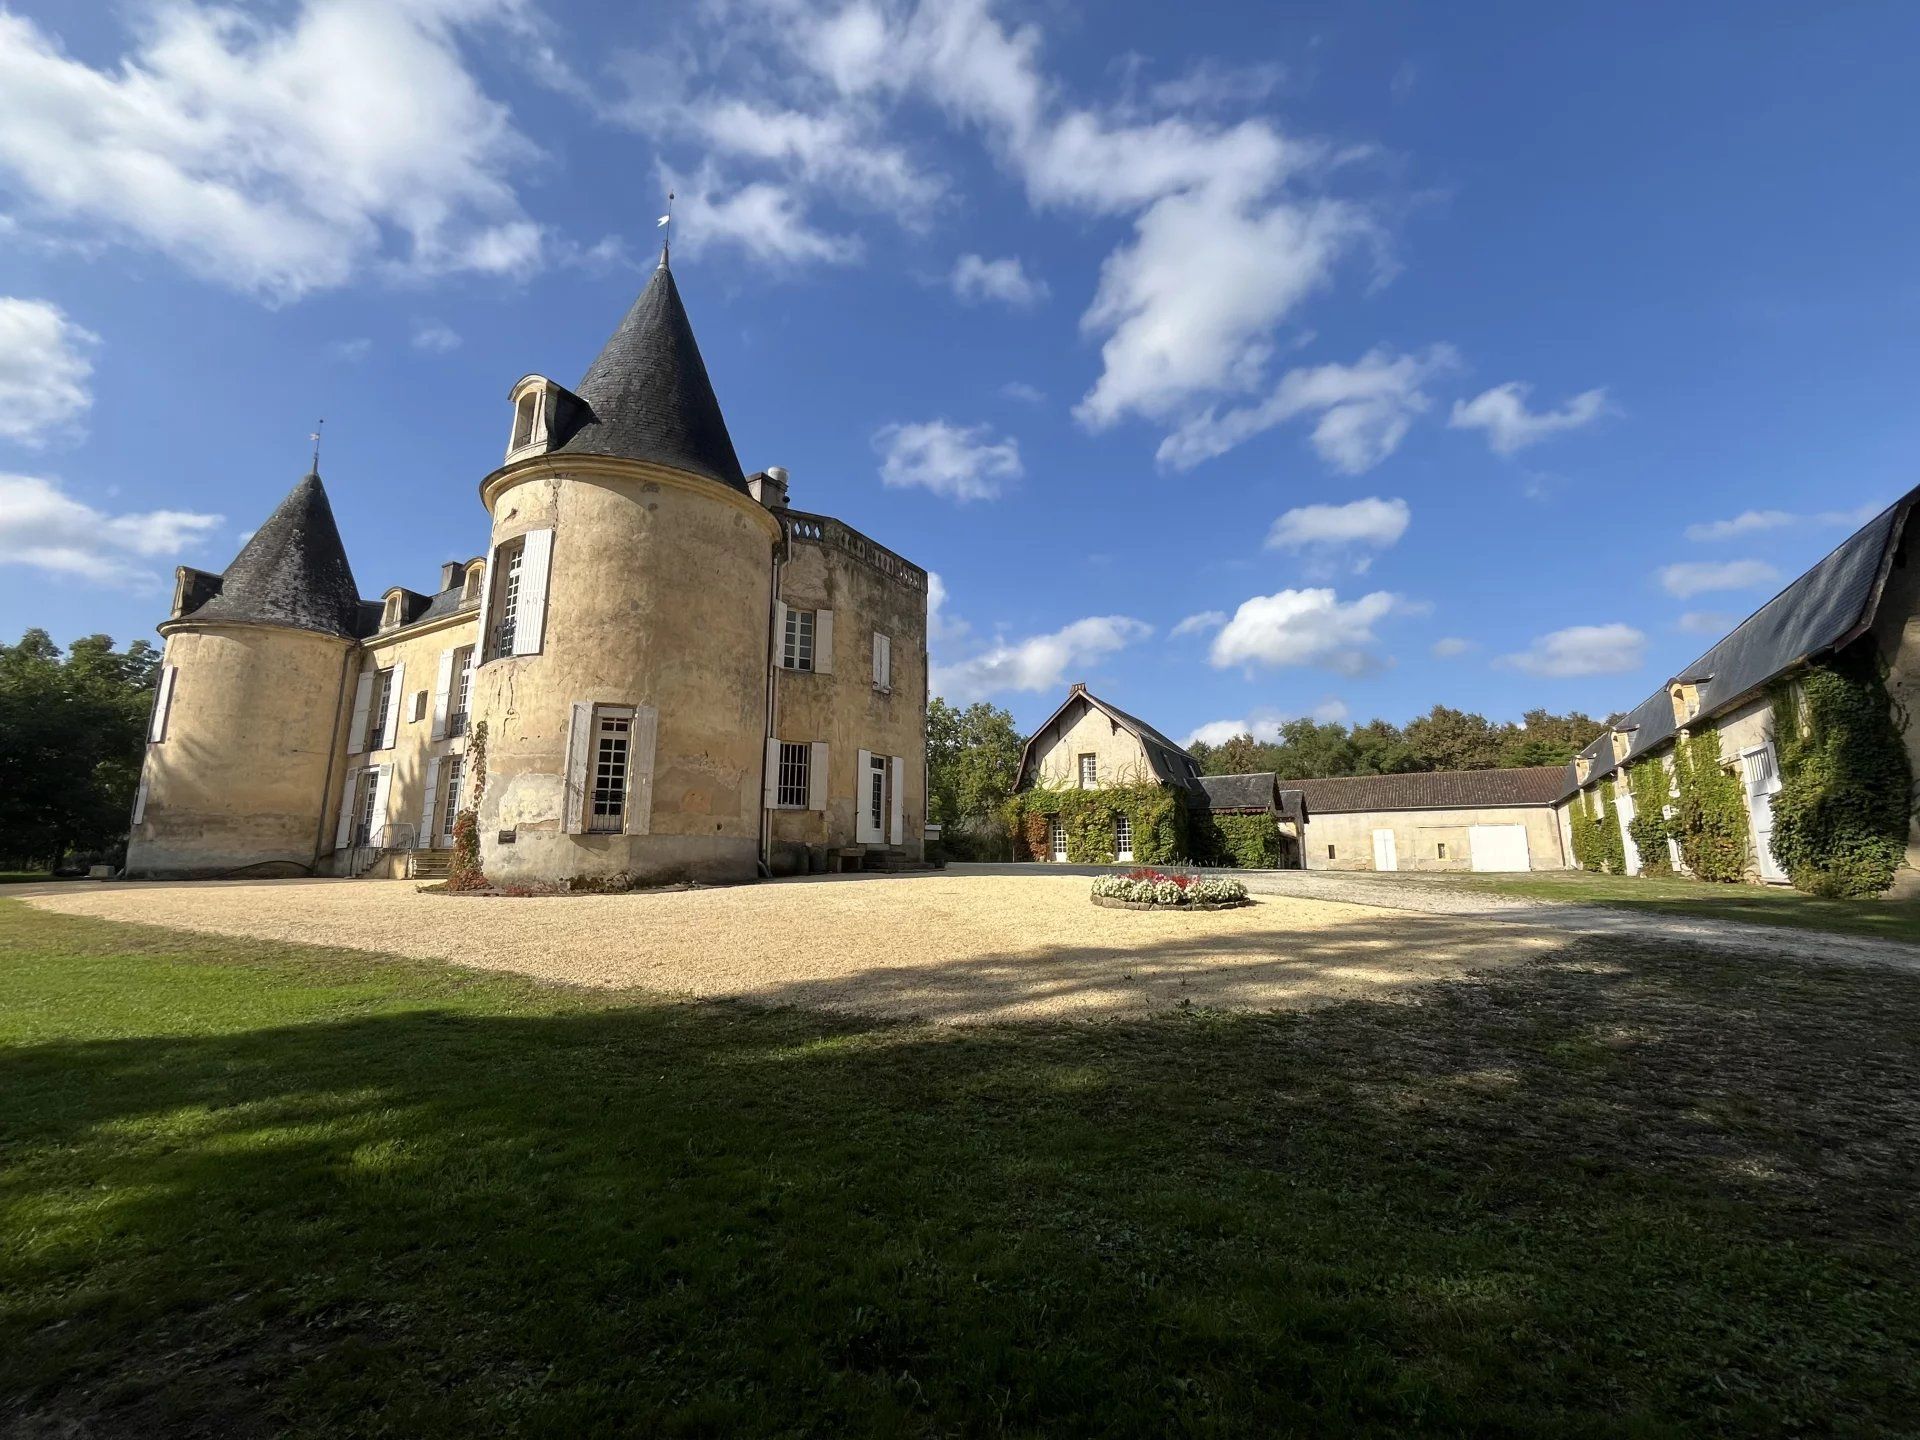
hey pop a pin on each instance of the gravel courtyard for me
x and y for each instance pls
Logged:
(953, 949)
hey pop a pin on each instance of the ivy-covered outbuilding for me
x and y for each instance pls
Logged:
(1785, 754)
(1100, 786)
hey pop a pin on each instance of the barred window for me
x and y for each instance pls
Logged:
(1089, 771)
(796, 775)
(610, 772)
(799, 640)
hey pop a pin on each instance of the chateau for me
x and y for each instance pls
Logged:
(676, 675)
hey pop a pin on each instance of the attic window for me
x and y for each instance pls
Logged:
(391, 616)
(532, 417)
(472, 588)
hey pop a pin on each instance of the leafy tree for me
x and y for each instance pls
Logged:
(973, 759)
(72, 733)
(1449, 739)
(1543, 738)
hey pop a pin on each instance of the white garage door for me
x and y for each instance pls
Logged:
(1499, 847)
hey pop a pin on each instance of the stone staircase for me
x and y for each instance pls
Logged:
(429, 864)
(884, 858)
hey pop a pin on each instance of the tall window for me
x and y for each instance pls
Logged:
(611, 736)
(379, 706)
(450, 807)
(506, 606)
(877, 793)
(799, 641)
(363, 807)
(1123, 838)
(796, 775)
(1089, 771)
(462, 690)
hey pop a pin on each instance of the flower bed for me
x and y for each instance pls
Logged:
(1157, 890)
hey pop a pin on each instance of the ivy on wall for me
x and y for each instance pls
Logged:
(1711, 816)
(1840, 818)
(463, 867)
(1611, 842)
(1247, 842)
(1586, 834)
(1648, 784)
(1158, 815)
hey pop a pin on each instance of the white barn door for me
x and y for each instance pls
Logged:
(1499, 847)
(1385, 855)
(1762, 777)
(1624, 809)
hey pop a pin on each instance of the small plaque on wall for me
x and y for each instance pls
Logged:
(505, 837)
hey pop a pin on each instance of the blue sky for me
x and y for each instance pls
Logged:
(1244, 362)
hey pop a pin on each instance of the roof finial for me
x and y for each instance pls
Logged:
(315, 437)
(665, 222)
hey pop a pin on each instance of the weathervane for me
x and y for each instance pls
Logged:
(665, 222)
(315, 437)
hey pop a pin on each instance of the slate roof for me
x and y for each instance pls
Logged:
(1435, 790)
(1237, 792)
(647, 396)
(292, 572)
(1824, 608)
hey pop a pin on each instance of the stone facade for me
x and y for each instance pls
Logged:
(625, 641)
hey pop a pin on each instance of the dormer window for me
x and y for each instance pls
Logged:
(1582, 767)
(471, 589)
(1686, 701)
(391, 615)
(534, 405)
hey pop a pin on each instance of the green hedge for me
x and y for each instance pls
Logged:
(1711, 818)
(1841, 815)
(1158, 814)
(1246, 842)
(1648, 783)
(1612, 843)
(1586, 833)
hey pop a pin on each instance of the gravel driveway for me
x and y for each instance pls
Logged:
(945, 947)
(1406, 893)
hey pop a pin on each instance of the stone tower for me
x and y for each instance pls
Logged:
(245, 725)
(626, 624)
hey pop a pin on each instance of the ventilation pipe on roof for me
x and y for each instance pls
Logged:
(769, 487)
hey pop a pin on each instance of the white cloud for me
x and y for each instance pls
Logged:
(48, 530)
(1696, 577)
(942, 628)
(1331, 530)
(44, 368)
(1449, 647)
(1212, 84)
(764, 220)
(1038, 663)
(1364, 410)
(1306, 627)
(1263, 725)
(1707, 622)
(1752, 522)
(1502, 412)
(1199, 623)
(275, 158)
(961, 462)
(1583, 650)
(435, 337)
(350, 352)
(976, 278)
(1023, 392)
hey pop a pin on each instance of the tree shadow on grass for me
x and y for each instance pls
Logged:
(1618, 1190)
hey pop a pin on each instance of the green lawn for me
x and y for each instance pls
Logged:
(1676, 895)
(256, 1189)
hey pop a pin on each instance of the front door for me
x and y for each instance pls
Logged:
(1057, 839)
(1385, 857)
(877, 797)
(369, 782)
(1762, 778)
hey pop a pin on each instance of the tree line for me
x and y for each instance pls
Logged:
(73, 729)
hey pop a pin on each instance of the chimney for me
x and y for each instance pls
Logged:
(769, 487)
(451, 574)
(1079, 687)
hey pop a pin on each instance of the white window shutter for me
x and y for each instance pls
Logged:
(390, 727)
(442, 688)
(817, 776)
(536, 562)
(423, 838)
(780, 632)
(879, 665)
(579, 743)
(382, 793)
(343, 834)
(640, 746)
(162, 703)
(362, 702)
(770, 791)
(823, 642)
(863, 799)
(140, 801)
(886, 662)
(897, 774)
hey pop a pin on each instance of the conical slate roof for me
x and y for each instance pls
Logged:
(293, 571)
(648, 397)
